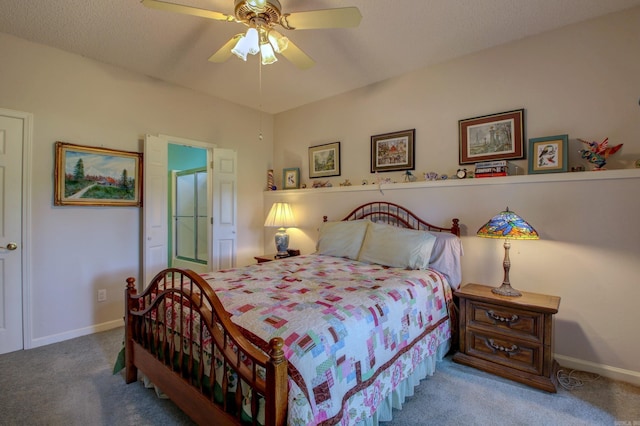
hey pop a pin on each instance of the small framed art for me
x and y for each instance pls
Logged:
(324, 160)
(548, 154)
(492, 137)
(90, 176)
(291, 178)
(393, 151)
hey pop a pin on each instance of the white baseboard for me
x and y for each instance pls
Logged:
(608, 371)
(96, 328)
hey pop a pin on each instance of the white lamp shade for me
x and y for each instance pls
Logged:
(278, 41)
(241, 49)
(252, 40)
(280, 216)
(267, 54)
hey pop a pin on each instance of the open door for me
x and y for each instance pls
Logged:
(223, 253)
(222, 181)
(156, 229)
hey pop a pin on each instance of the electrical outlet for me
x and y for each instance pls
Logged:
(102, 295)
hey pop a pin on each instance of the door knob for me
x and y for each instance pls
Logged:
(10, 246)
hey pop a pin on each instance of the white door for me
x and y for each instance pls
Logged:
(223, 253)
(12, 137)
(155, 234)
(156, 200)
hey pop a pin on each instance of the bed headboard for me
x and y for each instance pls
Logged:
(393, 214)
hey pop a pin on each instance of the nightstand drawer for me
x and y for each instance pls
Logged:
(500, 349)
(518, 323)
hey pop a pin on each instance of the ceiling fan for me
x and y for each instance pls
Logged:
(261, 16)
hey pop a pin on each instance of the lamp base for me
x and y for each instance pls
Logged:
(506, 290)
(282, 242)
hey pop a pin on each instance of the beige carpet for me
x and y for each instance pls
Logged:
(71, 383)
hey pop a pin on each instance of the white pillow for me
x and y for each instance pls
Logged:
(342, 239)
(445, 257)
(397, 247)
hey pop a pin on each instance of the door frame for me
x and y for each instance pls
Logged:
(25, 258)
(149, 263)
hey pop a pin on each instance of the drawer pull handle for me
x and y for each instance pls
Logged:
(497, 317)
(513, 349)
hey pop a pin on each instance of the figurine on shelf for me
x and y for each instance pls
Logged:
(430, 176)
(320, 184)
(597, 153)
(409, 177)
(346, 183)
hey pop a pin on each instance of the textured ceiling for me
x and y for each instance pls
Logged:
(394, 37)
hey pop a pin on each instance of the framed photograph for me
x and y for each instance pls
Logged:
(548, 154)
(324, 160)
(393, 151)
(291, 178)
(89, 176)
(492, 137)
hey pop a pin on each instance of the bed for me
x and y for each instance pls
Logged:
(339, 336)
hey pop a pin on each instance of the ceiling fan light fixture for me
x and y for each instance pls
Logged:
(252, 41)
(267, 54)
(241, 48)
(278, 41)
(247, 45)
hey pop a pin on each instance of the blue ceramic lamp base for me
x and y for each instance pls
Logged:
(282, 243)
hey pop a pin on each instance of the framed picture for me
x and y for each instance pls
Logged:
(492, 137)
(324, 160)
(291, 178)
(393, 151)
(88, 176)
(548, 154)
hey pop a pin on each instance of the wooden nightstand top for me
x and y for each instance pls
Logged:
(272, 256)
(532, 301)
(265, 258)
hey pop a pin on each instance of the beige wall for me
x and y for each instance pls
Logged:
(582, 80)
(76, 250)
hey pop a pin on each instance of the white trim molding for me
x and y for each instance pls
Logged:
(607, 371)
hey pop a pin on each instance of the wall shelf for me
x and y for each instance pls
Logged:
(502, 180)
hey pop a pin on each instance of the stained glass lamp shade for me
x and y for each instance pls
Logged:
(280, 216)
(509, 226)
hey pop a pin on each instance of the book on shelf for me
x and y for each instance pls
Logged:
(491, 169)
(491, 174)
(498, 163)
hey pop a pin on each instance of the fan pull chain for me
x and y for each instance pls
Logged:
(260, 137)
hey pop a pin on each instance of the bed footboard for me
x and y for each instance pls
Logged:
(178, 335)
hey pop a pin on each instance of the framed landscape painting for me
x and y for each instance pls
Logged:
(90, 176)
(324, 160)
(492, 137)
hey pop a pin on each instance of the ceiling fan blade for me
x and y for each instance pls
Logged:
(345, 17)
(297, 57)
(224, 52)
(187, 10)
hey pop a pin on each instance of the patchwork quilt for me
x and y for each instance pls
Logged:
(353, 331)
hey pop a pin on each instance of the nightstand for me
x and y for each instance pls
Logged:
(265, 258)
(511, 337)
(269, 257)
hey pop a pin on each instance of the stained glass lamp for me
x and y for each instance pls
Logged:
(281, 217)
(509, 226)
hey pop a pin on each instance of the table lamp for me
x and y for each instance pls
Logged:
(280, 216)
(509, 226)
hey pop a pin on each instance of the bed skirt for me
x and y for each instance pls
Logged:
(397, 396)
(405, 389)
